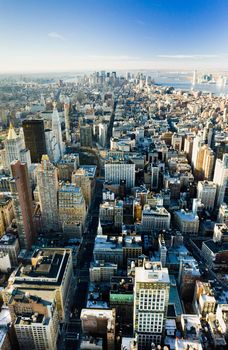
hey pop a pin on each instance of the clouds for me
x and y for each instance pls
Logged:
(189, 56)
(56, 35)
(114, 57)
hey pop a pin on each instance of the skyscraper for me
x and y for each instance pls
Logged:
(15, 148)
(221, 179)
(56, 128)
(204, 164)
(72, 209)
(47, 184)
(67, 119)
(86, 136)
(34, 138)
(151, 296)
(154, 177)
(197, 143)
(22, 203)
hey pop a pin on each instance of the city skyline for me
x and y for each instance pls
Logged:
(120, 35)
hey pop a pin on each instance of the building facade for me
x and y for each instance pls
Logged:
(47, 186)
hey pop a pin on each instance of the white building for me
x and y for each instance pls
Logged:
(102, 271)
(155, 219)
(206, 192)
(222, 318)
(221, 178)
(223, 213)
(38, 327)
(103, 129)
(5, 264)
(150, 303)
(197, 143)
(56, 128)
(115, 171)
(187, 222)
(52, 146)
(15, 148)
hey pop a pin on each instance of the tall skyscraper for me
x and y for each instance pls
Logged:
(82, 180)
(47, 185)
(103, 129)
(86, 136)
(197, 143)
(72, 209)
(151, 296)
(56, 128)
(67, 119)
(154, 177)
(34, 138)
(221, 179)
(15, 148)
(22, 203)
(204, 164)
(194, 78)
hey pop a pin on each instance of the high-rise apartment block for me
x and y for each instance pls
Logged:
(47, 186)
(221, 179)
(206, 192)
(22, 203)
(67, 165)
(103, 130)
(223, 214)
(35, 319)
(151, 295)
(118, 170)
(82, 180)
(204, 164)
(86, 136)
(154, 177)
(72, 209)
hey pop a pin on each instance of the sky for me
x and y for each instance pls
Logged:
(75, 35)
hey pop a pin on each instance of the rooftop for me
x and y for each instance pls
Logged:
(186, 215)
(152, 272)
(8, 239)
(46, 267)
(216, 247)
(90, 170)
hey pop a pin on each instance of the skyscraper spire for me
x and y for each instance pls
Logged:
(11, 133)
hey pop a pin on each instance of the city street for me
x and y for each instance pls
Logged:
(71, 330)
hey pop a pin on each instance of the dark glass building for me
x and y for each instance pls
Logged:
(34, 138)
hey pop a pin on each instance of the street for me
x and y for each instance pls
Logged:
(70, 334)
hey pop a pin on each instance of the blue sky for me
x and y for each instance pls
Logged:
(47, 35)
